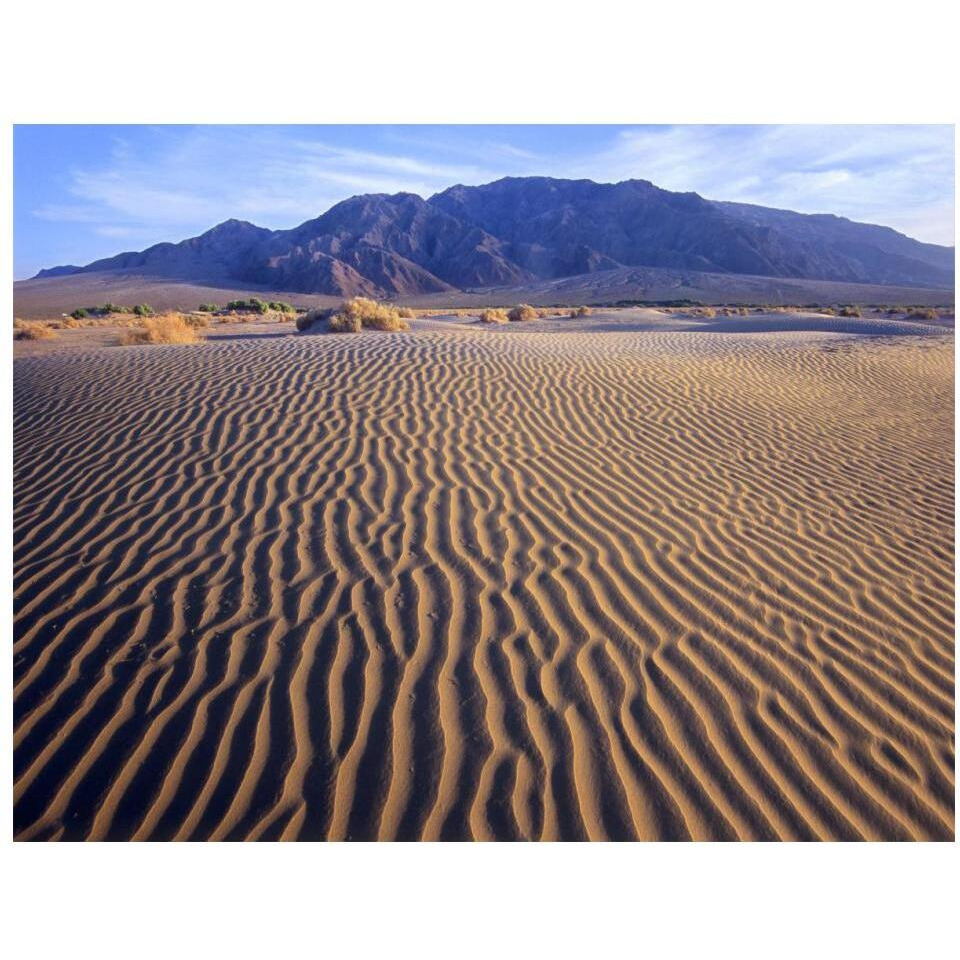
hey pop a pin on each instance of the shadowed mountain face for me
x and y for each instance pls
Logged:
(520, 230)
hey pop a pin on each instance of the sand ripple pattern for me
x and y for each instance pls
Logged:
(486, 585)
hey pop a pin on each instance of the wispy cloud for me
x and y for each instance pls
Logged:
(900, 176)
(166, 183)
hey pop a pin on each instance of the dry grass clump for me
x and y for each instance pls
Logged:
(341, 323)
(354, 315)
(923, 313)
(32, 331)
(493, 315)
(523, 312)
(579, 312)
(168, 328)
(405, 313)
(373, 315)
(306, 320)
(849, 311)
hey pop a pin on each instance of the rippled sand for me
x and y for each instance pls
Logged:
(472, 583)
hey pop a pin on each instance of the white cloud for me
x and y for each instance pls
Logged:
(894, 175)
(184, 181)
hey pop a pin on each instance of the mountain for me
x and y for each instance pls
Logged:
(522, 230)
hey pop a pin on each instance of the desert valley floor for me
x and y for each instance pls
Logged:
(613, 578)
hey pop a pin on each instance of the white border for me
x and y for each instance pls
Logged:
(495, 61)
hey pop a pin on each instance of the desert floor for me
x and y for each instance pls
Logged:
(625, 577)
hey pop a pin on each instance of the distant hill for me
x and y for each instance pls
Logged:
(525, 230)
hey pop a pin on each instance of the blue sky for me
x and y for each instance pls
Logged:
(84, 192)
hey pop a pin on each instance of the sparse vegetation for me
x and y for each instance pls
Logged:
(167, 328)
(253, 305)
(142, 310)
(209, 307)
(354, 315)
(32, 331)
(923, 313)
(341, 323)
(278, 306)
(522, 312)
(850, 310)
(306, 320)
(80, 313)
(493, 315)
(373, 315)
(405, 313)
(579, 312)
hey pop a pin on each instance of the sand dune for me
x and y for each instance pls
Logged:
(487, 584)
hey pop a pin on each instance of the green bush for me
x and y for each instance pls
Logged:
(143, 310)
(851, 310)
(209, 307)
(80, 313)
(280, 307)
(253, 305)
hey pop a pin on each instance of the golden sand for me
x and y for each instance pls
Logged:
(486, 584)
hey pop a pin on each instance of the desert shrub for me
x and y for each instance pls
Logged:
(341, 323)
(306, 320)
(373, 315)
(354, 315)
(829, 311)
(168, 328)
(33, 331)
(923, 313)
(579, 312)
(493, 316)
(142, 310)
(849, 311)
(80, 313)
(196, 320)
(405, 313)
(278, 306)
(209, 307)
(522, 312)
(253, 305)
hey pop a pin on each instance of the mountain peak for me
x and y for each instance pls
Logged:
(519, 229)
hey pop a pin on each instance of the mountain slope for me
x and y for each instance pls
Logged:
(524, 230)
